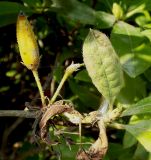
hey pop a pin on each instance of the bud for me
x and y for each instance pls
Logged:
(117, 11)
(27, 43)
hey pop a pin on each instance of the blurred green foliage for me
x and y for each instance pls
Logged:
(60, 27)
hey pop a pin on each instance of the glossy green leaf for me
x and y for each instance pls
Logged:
(9, 12)
(142, 132)
(142, 107)
(132, 48)
(102, 64)
(78, 11)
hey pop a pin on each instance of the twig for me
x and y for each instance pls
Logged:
(18, 113)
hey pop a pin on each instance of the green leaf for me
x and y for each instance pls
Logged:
(142, 107)
(147, 74)
(133, 90)
(128, 140)
(136, 6)
(102, 64)
(117, 11)
(132, 48)
(58, 73)
(142, 132)
(85, 94)
(83, 76)
(140, 153)
(116, 150)
(75, 10)
(104, 20)
(147, 33)
(9, 12)
(141, 20)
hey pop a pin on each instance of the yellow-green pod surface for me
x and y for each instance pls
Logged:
(27, 43)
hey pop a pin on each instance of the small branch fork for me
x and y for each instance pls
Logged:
(98, 149)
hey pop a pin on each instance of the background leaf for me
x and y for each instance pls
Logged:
(84, 93)
(9, 12)
(130, 45)
(129, 140)
(83, 76)
(77, 11)
(142, 132)
(134, 89)
(140, 153)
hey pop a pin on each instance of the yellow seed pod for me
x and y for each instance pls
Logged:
(27, 43)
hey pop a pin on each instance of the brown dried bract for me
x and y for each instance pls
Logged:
(98, 149)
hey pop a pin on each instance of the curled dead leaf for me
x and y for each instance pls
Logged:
(50, 112)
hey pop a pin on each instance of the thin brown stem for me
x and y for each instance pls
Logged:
(18, 113)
